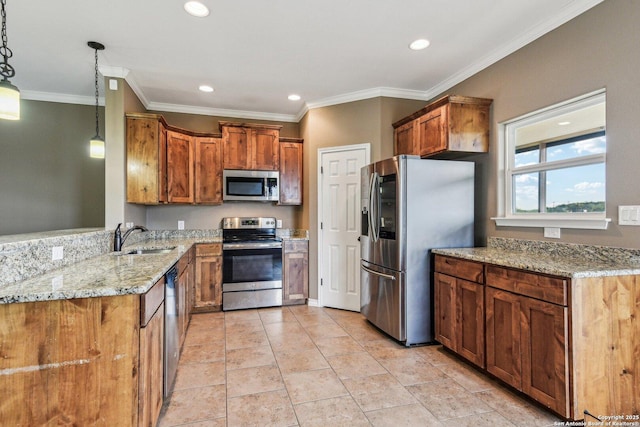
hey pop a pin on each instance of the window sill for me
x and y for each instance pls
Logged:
(558, 222)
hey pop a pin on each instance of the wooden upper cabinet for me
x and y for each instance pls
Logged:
(405, 137)
(208, 170)
(250, 146)
(180, 188)
(290, 171)
(146, 159)
(450, 124)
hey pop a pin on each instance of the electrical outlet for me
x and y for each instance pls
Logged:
(129, 224)
(180, 225)
(552, 232)
(279, 223)
(629, 215)
(57, 253)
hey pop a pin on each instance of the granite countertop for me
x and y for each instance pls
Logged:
(103, 275)
(578, 262)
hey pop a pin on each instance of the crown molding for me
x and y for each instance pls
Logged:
(118, 72)
(205, 111)
(60, 97)
(368, 94)
(568, 13)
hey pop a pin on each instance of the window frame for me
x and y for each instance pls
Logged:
(507, 169)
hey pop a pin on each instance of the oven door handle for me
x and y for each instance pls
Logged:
(273, 245)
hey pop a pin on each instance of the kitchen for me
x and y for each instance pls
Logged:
(518, 84)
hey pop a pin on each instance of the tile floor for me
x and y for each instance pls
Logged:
(311, 366)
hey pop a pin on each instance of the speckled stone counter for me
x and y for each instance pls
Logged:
(90, 269)
(559, 259)
(107, 274)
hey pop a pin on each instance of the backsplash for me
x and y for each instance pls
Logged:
(566, 250)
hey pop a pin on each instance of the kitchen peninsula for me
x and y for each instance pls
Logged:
(82, 344)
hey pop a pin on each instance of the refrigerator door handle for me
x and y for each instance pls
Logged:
(373, 207)
(377, 273)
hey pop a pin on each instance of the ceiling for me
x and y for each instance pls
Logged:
(257, 52)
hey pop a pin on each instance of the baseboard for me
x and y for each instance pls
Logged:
(312, 302)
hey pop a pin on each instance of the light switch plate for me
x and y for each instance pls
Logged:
(57, 253)
(629, 215)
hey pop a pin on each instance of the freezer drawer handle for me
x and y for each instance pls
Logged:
(386, 276)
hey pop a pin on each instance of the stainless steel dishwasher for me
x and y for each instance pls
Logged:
(171, 334)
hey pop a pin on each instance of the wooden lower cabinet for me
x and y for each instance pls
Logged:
(527, 347)
(150, 372)
(459, 308)
(208, 277)
(183, 289)
(295, 272)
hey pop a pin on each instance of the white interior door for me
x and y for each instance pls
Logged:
(339, 221)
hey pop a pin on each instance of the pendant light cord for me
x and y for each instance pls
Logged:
(6, 70)
(96, 83)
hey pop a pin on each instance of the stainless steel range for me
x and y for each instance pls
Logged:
(252, 263)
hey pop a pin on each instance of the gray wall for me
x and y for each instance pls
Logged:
(598, 49)
(47, 179)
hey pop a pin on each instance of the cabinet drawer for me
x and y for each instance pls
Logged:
(150, 302)
(456, 267)
(545, 288)
(296, 246)
(209, 249)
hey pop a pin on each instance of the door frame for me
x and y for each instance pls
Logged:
(321, 151)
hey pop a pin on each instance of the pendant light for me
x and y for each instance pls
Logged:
(96, 146)
(9, 94)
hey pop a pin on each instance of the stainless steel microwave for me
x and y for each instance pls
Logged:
(250, 186)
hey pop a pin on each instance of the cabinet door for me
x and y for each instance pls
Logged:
(545, 354)
(208, 170)
(503, 336)
(150, 377)
(163, 194)
(208, 283)
(181, 292)
(179, 168)
(433, 131)
(290, 173)
(405, 138)
(445, 310)
(265, 149)
(237, 150)
(470, 312)
(146, 183)
(295, 287)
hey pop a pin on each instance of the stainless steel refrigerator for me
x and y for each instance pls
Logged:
(410, 206)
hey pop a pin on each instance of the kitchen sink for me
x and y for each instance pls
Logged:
(153, 251)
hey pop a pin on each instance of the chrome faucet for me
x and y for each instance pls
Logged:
(119, 238)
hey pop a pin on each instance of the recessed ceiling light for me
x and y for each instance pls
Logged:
(564, 123)
(419, 44)
(294, 97)
(205, 88)
(197, 9)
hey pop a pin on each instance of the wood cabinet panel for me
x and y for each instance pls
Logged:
(470, 312)
(445, 310)
(150, 301)
(237, 152)
(151, 369)
(546, 288)
(266, 149)
(180, 186)
(62, 362)
(208, 277)
(503, 336)
(290, 173)
(208, 170)
(433, 132)
(405, 138)
(146, 160)
(546, 353)
(295, 286)
(456, 267)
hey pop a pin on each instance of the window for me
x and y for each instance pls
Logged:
(553, 166)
